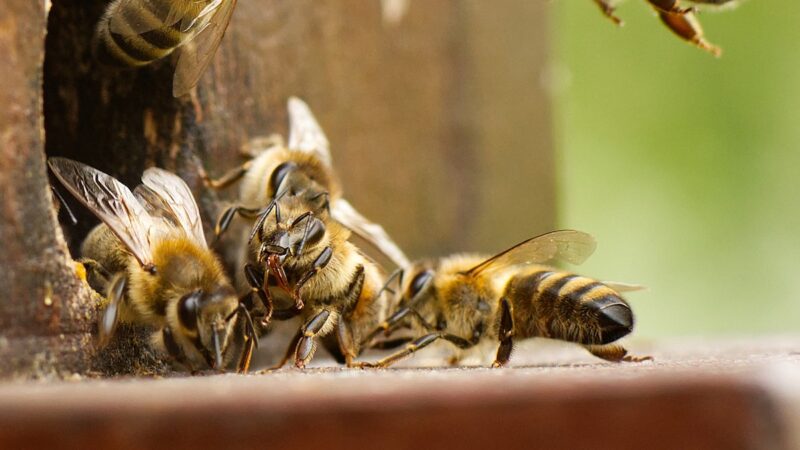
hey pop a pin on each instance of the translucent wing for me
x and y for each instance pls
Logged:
(196, 54)
(568, 245)
(171, 199)
(624, 287)
(305, 134)
(343, 212)
(111, 202)
(135, 17)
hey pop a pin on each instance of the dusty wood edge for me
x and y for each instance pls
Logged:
(469, 408)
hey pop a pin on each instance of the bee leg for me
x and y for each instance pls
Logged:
(261, 144)
(319, 263)
(173, 349)
(226, 218)
(247, 355)
(390, 344)
(392, 323)
(387, 325)
(687, 27)
(110, 315)
(418, 345)
(255, 278)
(608, 10)
(347, 344)
(505, 333)
(306, 345)
(614, 353)
(290, 351)
(225, 180)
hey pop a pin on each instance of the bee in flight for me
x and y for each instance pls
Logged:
(679, 19)
(467, 300)
(134, 33)
(150, 258)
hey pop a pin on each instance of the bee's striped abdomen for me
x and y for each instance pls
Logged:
(121, 44)
(562, 305)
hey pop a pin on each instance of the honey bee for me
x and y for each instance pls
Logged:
(679, 19)
(324, 277)
(135, 33)
(150, 258)
(301, 169)
(468, 300)
(334, 285)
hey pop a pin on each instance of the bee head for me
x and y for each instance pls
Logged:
(207, 319)
(292, 181)
(293, 234)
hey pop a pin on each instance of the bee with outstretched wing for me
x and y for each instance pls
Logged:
(466, 300)
(150, 258)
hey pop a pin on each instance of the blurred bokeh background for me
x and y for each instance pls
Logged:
(684, 167)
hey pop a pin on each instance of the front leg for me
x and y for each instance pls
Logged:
(394, 321)
(505, 334)
(174, 350)
(306, 345)
(319, 263)
(256, 278)
(226, 218)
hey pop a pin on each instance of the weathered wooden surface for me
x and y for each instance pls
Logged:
(695, 395)
(438, 123)
(45, 313)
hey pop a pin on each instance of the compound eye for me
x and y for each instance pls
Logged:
(419, 282)
(279, 174)
(187, 310)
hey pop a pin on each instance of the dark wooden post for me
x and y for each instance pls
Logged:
(44, 311)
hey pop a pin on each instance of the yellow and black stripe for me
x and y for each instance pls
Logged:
(125, 47)
(570, 307)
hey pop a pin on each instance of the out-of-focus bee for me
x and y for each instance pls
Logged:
(681, 20)
(467, 300)
(300, 169)
(135, 33)
(150, 258)
(335, 286)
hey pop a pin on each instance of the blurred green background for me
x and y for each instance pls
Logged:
(686, 168)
